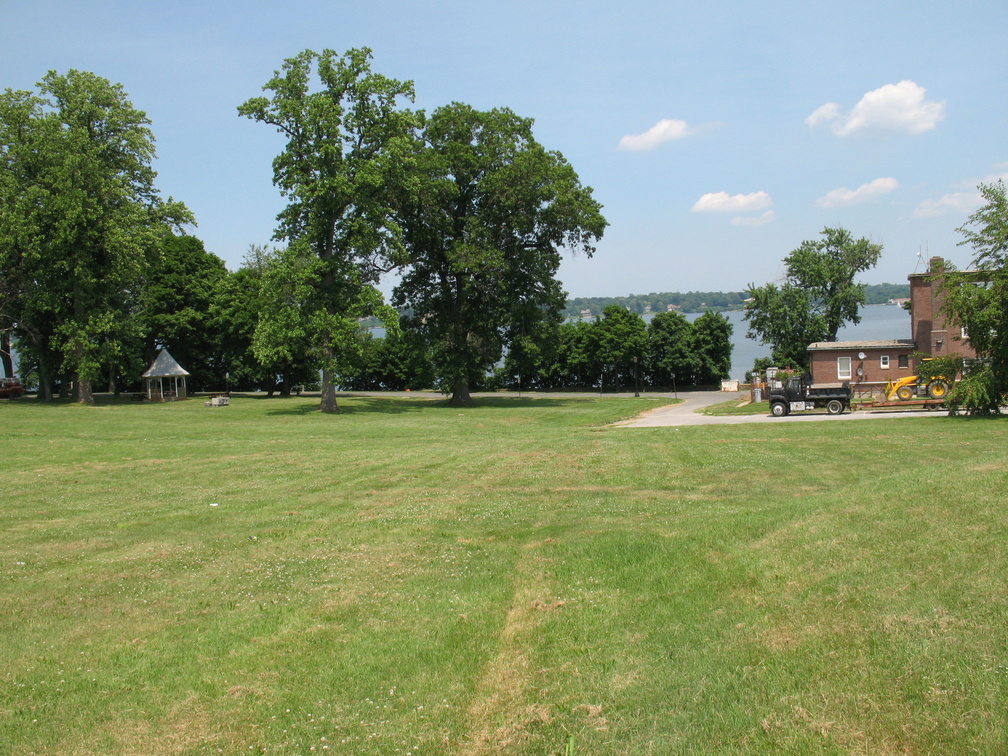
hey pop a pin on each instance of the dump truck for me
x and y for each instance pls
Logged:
(797, 395)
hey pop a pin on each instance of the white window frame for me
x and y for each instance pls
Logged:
(884, 362)
(842, 374)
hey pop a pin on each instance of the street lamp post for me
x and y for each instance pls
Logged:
(636, 380)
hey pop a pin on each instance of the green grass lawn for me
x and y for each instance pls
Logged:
(520, 578)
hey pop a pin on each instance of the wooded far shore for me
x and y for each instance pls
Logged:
(701, 301)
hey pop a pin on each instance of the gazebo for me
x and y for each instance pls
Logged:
(165, 379)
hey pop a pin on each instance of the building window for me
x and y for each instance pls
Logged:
(843, 368)
(904, 360)
(884, 362)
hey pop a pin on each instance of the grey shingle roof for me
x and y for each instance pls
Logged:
(165, 367)
(848, 345)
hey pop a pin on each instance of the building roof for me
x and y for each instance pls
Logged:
(165, 367)
(846, 346)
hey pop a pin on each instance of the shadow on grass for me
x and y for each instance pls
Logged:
(351, 404)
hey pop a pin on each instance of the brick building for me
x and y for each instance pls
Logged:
(869, 365)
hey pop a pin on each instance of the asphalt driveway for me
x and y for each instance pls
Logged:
(688, 412)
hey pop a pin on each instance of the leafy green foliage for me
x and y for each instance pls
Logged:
(347, 152)
(621, 344)
(484, 220)
(979, 301)
(80, 222)
(817, 297)
(178, 297)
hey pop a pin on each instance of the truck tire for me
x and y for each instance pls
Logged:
(904, 393)
(937, 389)
(834, 406)
(778, 409)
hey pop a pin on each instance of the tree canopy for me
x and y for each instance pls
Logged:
(978, 300)
(817, 297)
(80, 221)
(348, 145)
(485, 217)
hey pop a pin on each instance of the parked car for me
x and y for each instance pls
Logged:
(10, 388)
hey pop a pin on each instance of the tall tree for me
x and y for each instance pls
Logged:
(81, 217)
(485, 222)
(347, 145)
(670, 354)
(711, 341)
(978, 299)
(179, 292)
(817, 297)
(621, 344)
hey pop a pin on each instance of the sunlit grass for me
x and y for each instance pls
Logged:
(407, 577)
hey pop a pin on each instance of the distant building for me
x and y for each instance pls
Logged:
(870, 365)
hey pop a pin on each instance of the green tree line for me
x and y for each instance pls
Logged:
(701, 301)
(617, 351)
(96, 272)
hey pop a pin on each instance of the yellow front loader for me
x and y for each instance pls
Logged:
(908, 387)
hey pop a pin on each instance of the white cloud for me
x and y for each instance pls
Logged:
(760, 220)
(953, 202)
(666, 130)
(844, 196)
(900, 108)
(722, 202)
(961, 202)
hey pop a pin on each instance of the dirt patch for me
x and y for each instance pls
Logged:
(502, 713)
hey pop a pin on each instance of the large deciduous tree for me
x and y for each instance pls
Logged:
(179, 294)
(816, 298)
(80, 219)
(347, 143)
(486, 218)
(978, 300)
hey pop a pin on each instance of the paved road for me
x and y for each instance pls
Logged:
(688, 413)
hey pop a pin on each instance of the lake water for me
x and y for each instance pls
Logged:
(877, 322)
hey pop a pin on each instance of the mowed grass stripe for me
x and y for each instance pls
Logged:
(516, 577)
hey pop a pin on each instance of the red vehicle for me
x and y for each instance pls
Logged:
(10, 388)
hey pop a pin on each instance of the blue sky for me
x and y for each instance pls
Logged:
(717, 136)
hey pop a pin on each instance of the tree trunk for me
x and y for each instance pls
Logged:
(82, 390)
(44, 382)
(82, 386)
(328, 403)
(5, 354)
(460, 394)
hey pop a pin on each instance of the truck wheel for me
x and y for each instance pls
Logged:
(937, 389)
(778, 409)
(834, 406)
(904, 393)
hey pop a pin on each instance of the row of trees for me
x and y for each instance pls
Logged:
(466, 205)
(617, 351)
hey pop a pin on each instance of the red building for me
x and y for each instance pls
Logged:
(869, 365)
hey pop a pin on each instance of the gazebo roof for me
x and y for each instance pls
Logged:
(165, 367)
